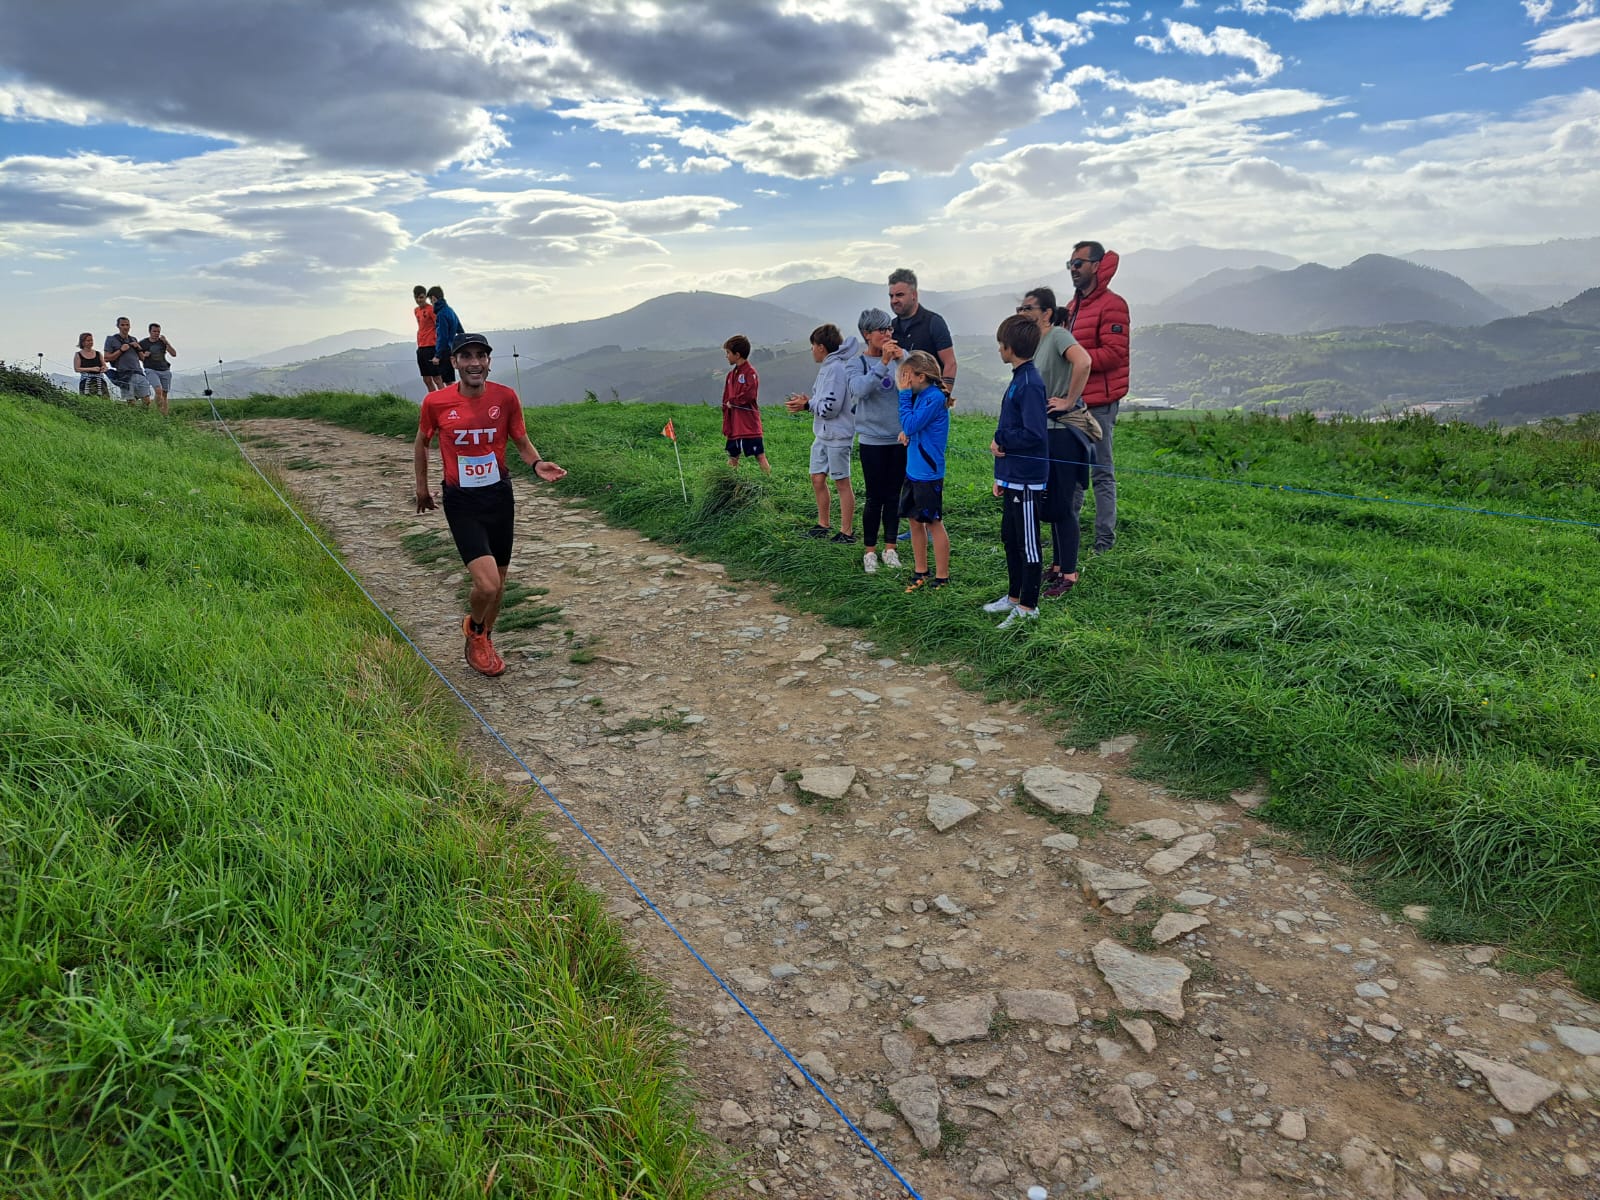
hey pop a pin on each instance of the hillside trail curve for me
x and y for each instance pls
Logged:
(1136, 995)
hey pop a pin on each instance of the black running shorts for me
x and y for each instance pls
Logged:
(426, 367)
(748, 447)
(922, 500)
(481, 520)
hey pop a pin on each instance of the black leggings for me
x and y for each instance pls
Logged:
(885, 470)
(1066, 453)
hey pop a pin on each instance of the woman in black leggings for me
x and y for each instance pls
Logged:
(875, 393)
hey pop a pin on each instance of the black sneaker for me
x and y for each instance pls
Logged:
(817, 531)
(936, 582)
(844, 538)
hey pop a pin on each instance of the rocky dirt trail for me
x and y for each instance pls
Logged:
(1136, 996)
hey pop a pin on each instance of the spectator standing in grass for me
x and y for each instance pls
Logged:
(427, 356)
(924, 414)
(917, 328)
(1021, 449)
(833, 429)
(127, 366)
(875, 396)
(156, 353)
(90, 364)
(475, 420)
(1098, 318)
(1064, 367)
(446, 329)
(741, 414)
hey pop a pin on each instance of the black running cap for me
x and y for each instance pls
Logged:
(470, 339)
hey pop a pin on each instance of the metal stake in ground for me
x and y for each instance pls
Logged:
(517, 367)
(671, 435)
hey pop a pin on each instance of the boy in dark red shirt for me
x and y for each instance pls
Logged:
(475, 420)
(741, 418)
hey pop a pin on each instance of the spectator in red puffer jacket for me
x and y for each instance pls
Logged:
(1098, 318)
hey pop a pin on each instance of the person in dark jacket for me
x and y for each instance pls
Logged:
(1021, 467)
(1098, 318)
(446, 329)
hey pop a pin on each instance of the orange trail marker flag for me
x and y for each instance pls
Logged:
(672, 436)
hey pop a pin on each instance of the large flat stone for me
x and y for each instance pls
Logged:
(945, 812)
(917, 1098)
(1067, 792)
(1143, 982)
(1518, 1091)
(1164, 862)
(1118, 891)
(827, 783)
(1579, 1038)
(1175, 925)
(964, 1020)
(1037, 1004)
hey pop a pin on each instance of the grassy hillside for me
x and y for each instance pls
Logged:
(267, 933)
(1418, 687)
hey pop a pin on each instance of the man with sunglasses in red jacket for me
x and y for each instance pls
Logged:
(1098, 318)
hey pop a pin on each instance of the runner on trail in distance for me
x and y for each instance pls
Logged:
(474, 420)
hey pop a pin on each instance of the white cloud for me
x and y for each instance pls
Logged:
(891, 177)
(1310, 10)
(1065, 32)
(1538, 10)
(1101, 18)
(1568, 43)
(1223, 40)
(556, 228)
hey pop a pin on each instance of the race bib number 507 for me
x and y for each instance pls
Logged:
(478, 471)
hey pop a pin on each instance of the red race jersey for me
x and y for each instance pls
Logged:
(472, 433)
(424, 315)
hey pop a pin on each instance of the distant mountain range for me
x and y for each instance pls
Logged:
(1234, 332)
(1374, 290)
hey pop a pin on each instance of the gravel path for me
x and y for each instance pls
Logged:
(1158, 999)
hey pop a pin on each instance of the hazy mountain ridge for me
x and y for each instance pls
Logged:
(1373, 290)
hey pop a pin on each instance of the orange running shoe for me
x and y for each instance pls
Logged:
(480, 653)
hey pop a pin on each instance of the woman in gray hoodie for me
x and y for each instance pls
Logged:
(875, 394)
(833, 429)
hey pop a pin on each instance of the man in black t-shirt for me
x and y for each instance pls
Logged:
(156, 350)
(916, 328)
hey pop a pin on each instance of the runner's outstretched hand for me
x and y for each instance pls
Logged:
(549, 471)
(424, 502)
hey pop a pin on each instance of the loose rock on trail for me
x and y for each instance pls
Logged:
(1136, 995)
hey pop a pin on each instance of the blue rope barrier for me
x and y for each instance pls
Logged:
(1305, 491)
(566, 812)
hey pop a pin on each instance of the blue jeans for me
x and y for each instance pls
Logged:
(1103, 479)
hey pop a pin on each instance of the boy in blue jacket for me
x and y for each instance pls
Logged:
(925, 432)
(1021, 468)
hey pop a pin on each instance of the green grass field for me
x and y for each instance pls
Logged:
(266, 932)
(1418, 687)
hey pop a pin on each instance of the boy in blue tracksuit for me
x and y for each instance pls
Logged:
(924, 432)
(1021, 468)
(446, 329)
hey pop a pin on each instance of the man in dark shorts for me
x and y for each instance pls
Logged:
(446, 329)
(426, 365)
(156, 351)
(474, 420)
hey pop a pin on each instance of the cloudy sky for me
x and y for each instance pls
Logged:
(255, 175)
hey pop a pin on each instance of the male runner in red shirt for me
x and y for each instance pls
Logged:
(474, 420)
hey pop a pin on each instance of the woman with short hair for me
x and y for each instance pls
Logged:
(875, 395)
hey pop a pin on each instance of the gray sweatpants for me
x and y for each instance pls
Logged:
(1103, 479)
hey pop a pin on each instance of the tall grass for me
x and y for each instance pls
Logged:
(1417, 686)
(263, 930)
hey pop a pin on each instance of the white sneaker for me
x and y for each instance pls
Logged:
(890, 558)
(1003, 605)
(869, 564)
(1017, 617)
